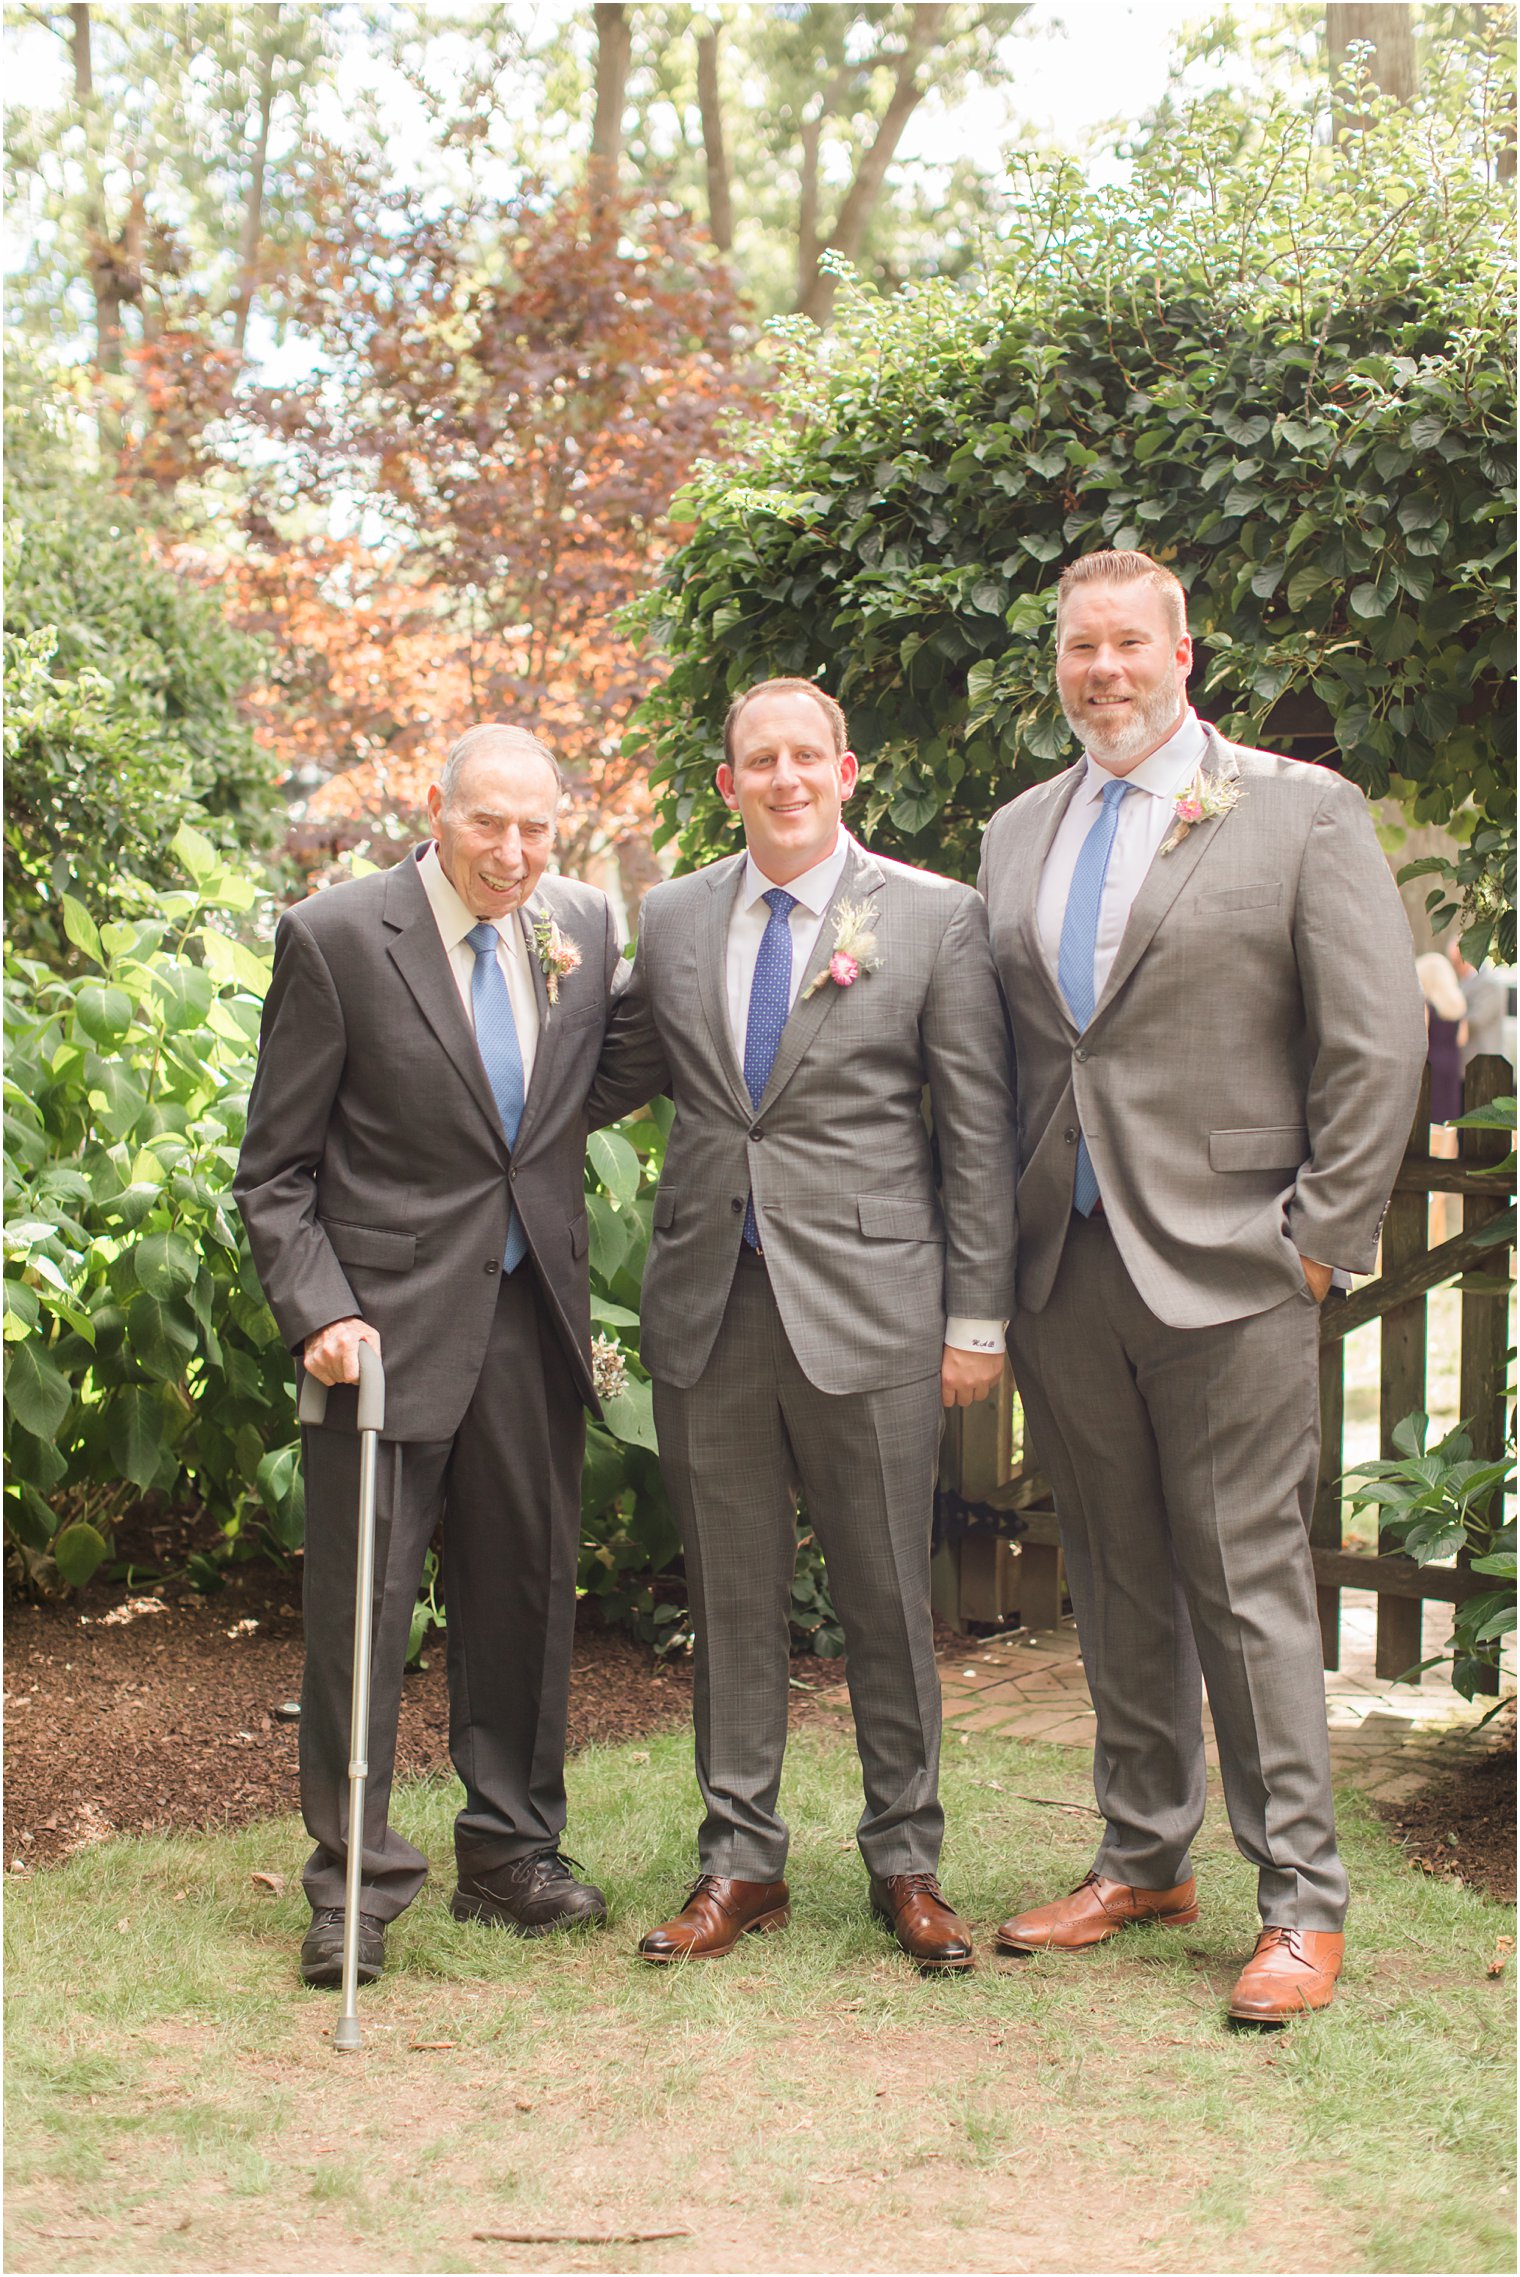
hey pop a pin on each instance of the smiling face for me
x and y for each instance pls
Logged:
(495, 831)
(787, 783)
(1121, 671)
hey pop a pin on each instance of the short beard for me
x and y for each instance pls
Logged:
(1148, 725)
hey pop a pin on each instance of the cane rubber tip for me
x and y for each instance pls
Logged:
(347, 2037)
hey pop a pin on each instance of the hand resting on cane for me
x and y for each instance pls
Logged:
(332, 1354)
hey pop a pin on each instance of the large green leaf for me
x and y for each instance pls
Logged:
(135, 1435)
(77, 1551)
(630, 1417)
(615, 1163)
(161, 1334)
(35, 1392)
(164, 1264)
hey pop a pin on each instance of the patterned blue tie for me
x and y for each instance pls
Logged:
(770, 1000)
(1079, 948)
(496, 1037)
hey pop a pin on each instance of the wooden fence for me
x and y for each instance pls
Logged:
(991, 1487)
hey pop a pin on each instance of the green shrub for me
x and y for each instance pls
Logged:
(1286, 373)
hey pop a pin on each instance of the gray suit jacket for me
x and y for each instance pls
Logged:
(1247, 1081)
(375, 1177)
(868, 1251)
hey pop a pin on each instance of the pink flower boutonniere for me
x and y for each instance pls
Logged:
(854, 949)
(556, 953)
(1205, 799)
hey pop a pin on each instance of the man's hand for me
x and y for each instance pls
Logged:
(1319, 1277)
(966, 1377)
(332, 1355)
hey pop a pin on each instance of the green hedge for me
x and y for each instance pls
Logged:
(1289, 377)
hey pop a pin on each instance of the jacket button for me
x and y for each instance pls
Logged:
(757, 1133)
(1079, 1054)
(737, 1203)
(1070, 1137)
(493, 1264)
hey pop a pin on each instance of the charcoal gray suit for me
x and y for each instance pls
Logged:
(375, 1181)
(818, 1362)
(1245, 1088)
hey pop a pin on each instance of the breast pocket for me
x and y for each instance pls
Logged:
(1264, 893)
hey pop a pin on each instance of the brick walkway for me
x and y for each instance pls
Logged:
(1387, 1739)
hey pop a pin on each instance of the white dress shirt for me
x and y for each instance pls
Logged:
(454, 921)
(811, 893)
(1144, 820)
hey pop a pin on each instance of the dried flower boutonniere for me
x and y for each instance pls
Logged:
(1205, 799)
(556, 953)
(854, 950)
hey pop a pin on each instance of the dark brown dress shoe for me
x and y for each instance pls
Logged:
(1096, 1910)
(322, 1947)
(1291, 1970)
(716, 1915)
(530, 1896)
(922, 1919)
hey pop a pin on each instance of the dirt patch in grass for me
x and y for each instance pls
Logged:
(1464, 1828)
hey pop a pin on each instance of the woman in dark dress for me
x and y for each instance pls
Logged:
(1446, 1025)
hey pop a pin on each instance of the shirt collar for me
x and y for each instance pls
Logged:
(1168, 770)
(814, 889)
(455, 919)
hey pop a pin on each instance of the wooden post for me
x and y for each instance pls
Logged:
(1406, 1236)
(1325, 1525)
(1042, 1579)
(1485, 1319)
(978, 1445)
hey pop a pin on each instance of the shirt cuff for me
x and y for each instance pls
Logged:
(975, 1335)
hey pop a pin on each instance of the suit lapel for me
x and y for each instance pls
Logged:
(418, 954)
(713, 921)
(858, 880)
(1022, 884)
(548, 1027)
(1166, 877)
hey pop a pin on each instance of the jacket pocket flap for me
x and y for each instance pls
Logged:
(1265, 895)
(580, 1235)
(1282, 1147)
(898, 1217)
(371, 1245)
(664, 1208)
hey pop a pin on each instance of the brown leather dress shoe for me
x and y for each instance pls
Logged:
(716, 1915)
(1291, 1970)
(922, 1919)
(1096, 1909)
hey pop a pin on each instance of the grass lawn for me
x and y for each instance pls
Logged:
(809, 2104)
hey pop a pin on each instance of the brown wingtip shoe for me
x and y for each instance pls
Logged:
(1096, 1910)
(922, 1919)
(1291, 1970)
(716, 1915)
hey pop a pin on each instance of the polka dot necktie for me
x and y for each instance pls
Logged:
(1079, 949)
(501, 1053)
(770, 1000)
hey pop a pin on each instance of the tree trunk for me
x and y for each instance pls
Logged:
(720, 208)
(614, 47)
(105, 275)
(253, 212)
(816, 297)
(1390, 32)
(84, 77)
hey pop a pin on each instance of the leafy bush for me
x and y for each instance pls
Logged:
(1284, 371)
(122, 688)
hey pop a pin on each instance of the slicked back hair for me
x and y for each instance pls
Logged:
(495, 739)
(821, 697)
(1121, 568)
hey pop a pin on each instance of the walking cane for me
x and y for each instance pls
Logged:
(312, 1408)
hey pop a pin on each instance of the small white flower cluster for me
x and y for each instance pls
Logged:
(609, 1369)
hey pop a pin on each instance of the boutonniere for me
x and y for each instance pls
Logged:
(1205, 799)
(854, 950)
(556, 953)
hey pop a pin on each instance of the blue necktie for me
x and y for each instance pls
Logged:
(770, 1000)
(501, 1053)
(1079, 948)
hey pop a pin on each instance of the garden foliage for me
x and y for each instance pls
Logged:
(1287, 373)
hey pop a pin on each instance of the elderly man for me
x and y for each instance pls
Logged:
(1219, 1040)
(816, 1288)
(411, 1177)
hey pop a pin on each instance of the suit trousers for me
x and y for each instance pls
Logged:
(507, 1487)
(1184, 1462)
(734, 1449)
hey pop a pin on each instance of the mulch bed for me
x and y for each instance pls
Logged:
(1464, 1829)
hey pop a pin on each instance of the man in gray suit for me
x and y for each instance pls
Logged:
(411, 1177)
(814, 1293)
(1219, 1040)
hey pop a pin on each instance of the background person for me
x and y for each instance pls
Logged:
(412, 1176)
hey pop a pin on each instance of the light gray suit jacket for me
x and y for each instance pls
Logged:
(375, 1179)
(1248, 1077)
(868, 1250)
